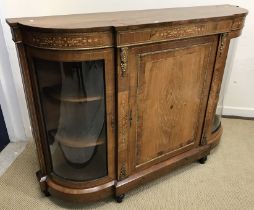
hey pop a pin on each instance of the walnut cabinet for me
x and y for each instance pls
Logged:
(118, 99)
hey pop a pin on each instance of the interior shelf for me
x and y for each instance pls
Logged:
(77, 142)
(96, 169)
(69, 96)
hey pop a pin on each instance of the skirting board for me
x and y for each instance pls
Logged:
(238, 111)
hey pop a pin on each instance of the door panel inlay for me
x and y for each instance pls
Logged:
(169, 91)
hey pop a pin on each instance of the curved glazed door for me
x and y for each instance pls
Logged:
(76, 105)
(167, 88)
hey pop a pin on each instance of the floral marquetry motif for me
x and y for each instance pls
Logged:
(173, 32)
(179, 31)
(123, 132)
(238, 23)
(68, 40)
(123, 172)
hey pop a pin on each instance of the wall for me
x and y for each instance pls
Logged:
(239, 98)
(8, 96)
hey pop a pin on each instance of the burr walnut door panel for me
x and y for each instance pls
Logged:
(169, 85)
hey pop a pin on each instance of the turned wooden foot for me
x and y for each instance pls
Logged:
(202, 160)
(46, 193)
(119, 198)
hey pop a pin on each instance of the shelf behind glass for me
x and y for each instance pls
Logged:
(76, 141)
(55, 92)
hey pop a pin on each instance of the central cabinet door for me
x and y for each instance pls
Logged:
(168, 90)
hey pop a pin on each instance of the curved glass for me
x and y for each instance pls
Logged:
(228, 68)
(73, 102)
(218, 113)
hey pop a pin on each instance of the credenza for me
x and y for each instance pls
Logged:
(120, 98)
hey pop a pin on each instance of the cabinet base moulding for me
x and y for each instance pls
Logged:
(118, 188)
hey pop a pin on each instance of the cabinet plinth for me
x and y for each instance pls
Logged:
(116, 99)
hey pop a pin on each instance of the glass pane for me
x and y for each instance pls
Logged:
(72, 97)
(226, 76)
(218, 114)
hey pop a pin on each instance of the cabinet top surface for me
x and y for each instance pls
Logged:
(129, 18)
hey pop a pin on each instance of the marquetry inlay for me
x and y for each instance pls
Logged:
(123, 172)
(238, 23)
(68, 40)
(173, 32)
(123, 131)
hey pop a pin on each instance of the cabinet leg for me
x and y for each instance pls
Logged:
(202, 160)
(119, 198)
(46, 193)
(42, 181)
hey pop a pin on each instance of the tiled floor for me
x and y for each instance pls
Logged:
(9, 154)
